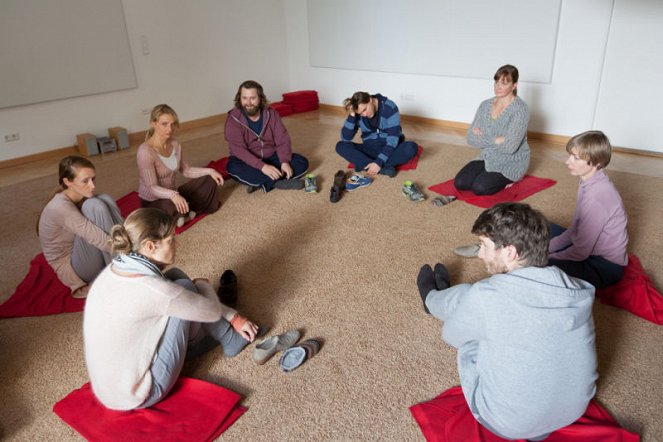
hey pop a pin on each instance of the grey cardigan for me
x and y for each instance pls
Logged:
(510, 158)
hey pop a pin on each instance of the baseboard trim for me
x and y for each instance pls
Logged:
(457, 126)
(61, 152)
(135, 139)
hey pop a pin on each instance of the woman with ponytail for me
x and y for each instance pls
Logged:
(141, 323)
(159, 158)
(74, 226)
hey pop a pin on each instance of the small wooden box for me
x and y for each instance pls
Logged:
(87, 144)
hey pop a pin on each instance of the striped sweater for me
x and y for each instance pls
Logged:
(388, 132)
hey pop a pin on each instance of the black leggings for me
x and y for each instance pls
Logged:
(475, 178)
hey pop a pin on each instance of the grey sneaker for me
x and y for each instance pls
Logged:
(251, 189)
(410, 190)
(310, 183)
(471, 251)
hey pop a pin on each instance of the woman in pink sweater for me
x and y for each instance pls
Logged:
(140, 323)
(74, 226)
(159, 158)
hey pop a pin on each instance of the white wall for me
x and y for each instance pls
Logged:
(595, 46)
(199, 53)
(607, 73)
(630, 102)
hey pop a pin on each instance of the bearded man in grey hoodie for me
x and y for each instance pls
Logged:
(525, 335)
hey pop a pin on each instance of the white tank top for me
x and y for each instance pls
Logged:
(171, 161)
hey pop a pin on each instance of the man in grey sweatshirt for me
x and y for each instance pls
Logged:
(525, 335)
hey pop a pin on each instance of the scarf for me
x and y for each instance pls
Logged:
(136, 263)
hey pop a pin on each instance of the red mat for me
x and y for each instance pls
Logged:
(518, 191)
(194, 411)
(41, 292)
(447, 418)
(410, 165)
(635, 293)
(220, 166)
(283, 109)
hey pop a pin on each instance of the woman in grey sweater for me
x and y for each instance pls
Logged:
(499, 129)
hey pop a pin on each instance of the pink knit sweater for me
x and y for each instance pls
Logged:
(157, 181)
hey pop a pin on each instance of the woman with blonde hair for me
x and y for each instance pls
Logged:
(159, 158)
(74, 226)
(140, 323)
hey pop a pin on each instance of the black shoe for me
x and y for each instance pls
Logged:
(337, 187)
(251, 189)
(289, 184)
(389, 171)
(228, 288)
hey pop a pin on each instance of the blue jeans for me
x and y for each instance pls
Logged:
(596, 270)
(251, 176)
(361, 154)
(186, 339)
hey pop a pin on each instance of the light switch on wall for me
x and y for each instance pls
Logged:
(145, 44)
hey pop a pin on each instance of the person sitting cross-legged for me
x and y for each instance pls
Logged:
(383, 144)
(260, 149)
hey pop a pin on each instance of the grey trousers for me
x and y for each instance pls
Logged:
(184, 340)
(87, 260)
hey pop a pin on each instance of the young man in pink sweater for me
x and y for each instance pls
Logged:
(594, 246)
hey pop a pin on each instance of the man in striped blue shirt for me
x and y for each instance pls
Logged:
(384, 146)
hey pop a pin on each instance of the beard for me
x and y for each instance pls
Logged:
(251, 111)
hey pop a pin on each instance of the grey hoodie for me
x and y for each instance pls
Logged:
(526, 348)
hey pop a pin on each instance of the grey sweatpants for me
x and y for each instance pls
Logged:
(87, 260)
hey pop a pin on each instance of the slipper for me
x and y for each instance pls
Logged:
(471, 251)
(267, 348)
(296, 356)
(443, 200)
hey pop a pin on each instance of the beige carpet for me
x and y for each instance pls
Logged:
(341, 272)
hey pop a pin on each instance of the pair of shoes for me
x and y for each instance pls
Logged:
(468, 251)
(227, 291)
(251, 189)
(289, 184)
(357, 181)
(411, 191)
(310, 183)
(337, 187)
(267, 348)
(296, 356)
(389, 171)
(443, 200)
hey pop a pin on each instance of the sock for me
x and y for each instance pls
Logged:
(442, 279)
(425, 283)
